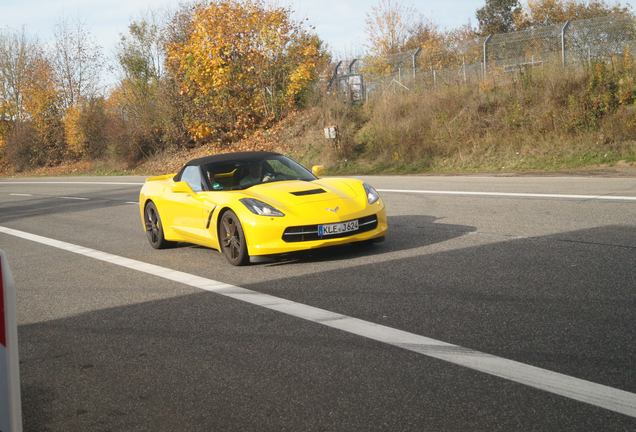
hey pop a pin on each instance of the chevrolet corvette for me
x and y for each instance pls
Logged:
(253, 204)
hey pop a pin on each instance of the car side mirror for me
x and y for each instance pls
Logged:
(182, 187)
(318, 170)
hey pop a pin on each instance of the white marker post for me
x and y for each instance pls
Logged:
(10, 404)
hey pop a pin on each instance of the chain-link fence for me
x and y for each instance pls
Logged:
(569, 44)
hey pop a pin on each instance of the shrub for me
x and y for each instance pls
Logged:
(92, 123)
(22, 147)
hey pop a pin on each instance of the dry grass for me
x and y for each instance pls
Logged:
(542, 120)
(280, 138)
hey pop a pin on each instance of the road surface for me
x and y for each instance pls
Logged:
(494, 304)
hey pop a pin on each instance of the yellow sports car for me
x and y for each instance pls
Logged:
(258, 203)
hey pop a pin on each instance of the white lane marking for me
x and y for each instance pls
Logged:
(430, 192)
(70, 183)
(65, 197)
(513, 194)
(73, 198)
(599, 395)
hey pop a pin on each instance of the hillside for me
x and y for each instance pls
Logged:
(541, 120)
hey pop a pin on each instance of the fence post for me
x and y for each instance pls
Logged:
(563, 30)
(334, 76)
(353, 62)
(414, 59)
(464, 67)
(486, 54)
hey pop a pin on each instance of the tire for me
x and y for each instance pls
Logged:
(232, 239)
(154, 227)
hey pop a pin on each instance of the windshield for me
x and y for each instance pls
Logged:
(236, 175)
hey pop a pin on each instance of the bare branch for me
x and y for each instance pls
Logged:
(78, 62)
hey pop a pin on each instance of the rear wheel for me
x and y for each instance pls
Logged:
(154, 227)
(232, 239)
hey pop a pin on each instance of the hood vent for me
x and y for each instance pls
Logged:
(309, 192)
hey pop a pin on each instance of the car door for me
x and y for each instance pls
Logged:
(191, 210)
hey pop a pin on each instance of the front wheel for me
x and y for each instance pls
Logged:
(154, 227)
(232, 239)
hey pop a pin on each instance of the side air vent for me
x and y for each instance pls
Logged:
(309, 192)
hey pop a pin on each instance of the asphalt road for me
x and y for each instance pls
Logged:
(538, 277)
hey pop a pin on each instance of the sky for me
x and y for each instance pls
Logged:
(340, 23)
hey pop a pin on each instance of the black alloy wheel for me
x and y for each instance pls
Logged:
(232, 239)
(154, 228)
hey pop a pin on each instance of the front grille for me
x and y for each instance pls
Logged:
(309, 192)
(310, 232)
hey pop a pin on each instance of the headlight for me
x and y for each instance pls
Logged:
(372, 194)
(261, 208)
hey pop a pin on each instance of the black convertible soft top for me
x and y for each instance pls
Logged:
(232, 157)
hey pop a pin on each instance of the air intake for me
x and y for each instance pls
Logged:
(309, 192)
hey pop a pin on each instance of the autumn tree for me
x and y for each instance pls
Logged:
(85, 128)
(16, 57)
(77, 62)
(498, 16)
(146, 106)
(136, 98)
(463, 45)
(545, 12)
(436, 49)
(242, 66)
(388, 26)
(30, 116)
(39, 139)
(73, 133)
(93, 122)
(305, 58)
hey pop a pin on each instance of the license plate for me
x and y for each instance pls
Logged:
(337, 228)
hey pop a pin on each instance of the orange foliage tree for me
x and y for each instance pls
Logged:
(243, 65)
(42, 103)
(443, 49)
(543, 12)
(395, 31)
(75, 138)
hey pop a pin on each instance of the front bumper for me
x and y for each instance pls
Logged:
(279, 237)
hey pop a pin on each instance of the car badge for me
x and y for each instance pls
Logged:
(333, 210)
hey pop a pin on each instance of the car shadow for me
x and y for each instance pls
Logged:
(405, 232)
(47, 205)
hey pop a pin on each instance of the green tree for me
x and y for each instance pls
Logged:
(498, 16)
(137, 104)
(141, 52)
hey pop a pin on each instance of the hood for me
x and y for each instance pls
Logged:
(314, 197)
(297, 192)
